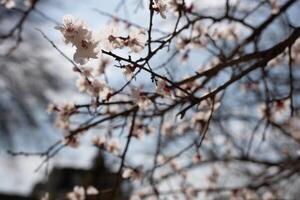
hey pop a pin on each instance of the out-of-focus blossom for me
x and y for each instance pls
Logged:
(138, 130)
(131, 173)
(28, 3)
(103, 63)
(141, 99)
(274, 6)
(128, 71)
(113, 146)
(196, 158)
(9, 4)
(99, 141)
(78, 193)
(161, 7)
(82, 84)
(99, 88)
(162, 88)
(174, 164)
(160, 159)
(190, 192)
(110, 37)
(64, 112)
(91, 190)
(136, 40)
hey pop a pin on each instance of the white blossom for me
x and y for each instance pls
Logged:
(113, 146)
(78, 34)
(127, 173)
(28, 3)
(128, 71)
(142, 100)
(161, 7)
(82, 84)
(136, 40)
(111, 37)
(78, 193)
(91, 190)
(162, 88)
(99, 141)
(63, 118)
(9, 4)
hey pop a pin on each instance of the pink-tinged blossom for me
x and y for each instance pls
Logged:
(99, 88)
(113, 146)
(99, 141)
(128, 71)
(161, 7)
(79, 35)
(136, 40)
(168, 128)
(141, 99)
(95, 87)
(82, 84)
(111, 37)
(64, 113)
(162, 88)
(138, 130)
(131, 173)
(28, 3)
(8, 4)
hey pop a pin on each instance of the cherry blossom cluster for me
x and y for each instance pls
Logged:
(9, 4)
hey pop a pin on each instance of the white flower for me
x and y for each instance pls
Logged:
(103, 63)
(111, 37)
(78, 34)
(174, 164)
(86, 50)
(99, 141)
(91, 190)
(162, 88)
(161, 7)
(99, 88)
(113, 146)
(141, 99)
(82, 84)
(160, 159)
(127, 173)
(136, 40)
(138, 130)
(128, 71)
(95, 87)
(196, 158)
(28, 3)
(63, 118)
(78, 193)
(9, 4)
